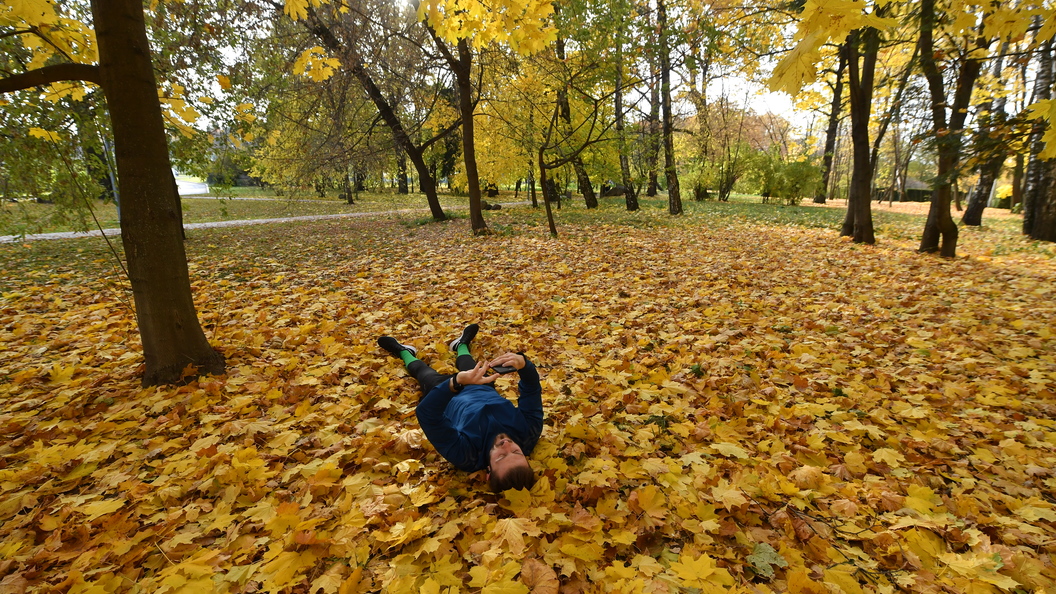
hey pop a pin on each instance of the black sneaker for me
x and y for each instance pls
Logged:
(465, 338)
(395, 348)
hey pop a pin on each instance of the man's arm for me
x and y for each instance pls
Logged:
(530, 399)
(430, 411)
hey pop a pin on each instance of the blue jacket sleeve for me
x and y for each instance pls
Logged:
(445, 438)
(530, 399)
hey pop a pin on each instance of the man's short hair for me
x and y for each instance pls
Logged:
(518, 477)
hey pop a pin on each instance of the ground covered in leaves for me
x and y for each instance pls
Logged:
(729, 407)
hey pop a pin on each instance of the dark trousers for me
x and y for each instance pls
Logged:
(428, 378)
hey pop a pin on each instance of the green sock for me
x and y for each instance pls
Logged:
(407, 357)
(462, 349)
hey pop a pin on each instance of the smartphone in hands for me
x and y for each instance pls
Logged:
(503, 369)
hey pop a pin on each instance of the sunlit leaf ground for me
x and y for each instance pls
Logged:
(731, 406)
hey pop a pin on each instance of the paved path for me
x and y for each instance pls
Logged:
(117, 232)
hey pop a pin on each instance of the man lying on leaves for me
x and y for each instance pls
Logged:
(470, 423)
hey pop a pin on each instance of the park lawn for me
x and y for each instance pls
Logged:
(232, 204)
(731, 406)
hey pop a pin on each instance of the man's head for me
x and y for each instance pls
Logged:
(508, 467)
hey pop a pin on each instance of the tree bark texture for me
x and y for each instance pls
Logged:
(463, 69)
(590, 199)
(991, 113)
(834, 125)
(151, 229)
(1039, 173)
(1045, 216)
(630, 193)
(940, 225)
(858, 224)
(674, 198)
(652, 141)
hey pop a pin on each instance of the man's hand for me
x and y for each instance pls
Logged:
(477, 375)
(509, 359)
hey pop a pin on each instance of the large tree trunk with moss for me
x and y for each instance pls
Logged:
(674, 197)
(151, 228)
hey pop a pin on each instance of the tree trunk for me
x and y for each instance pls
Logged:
(1045, 216)
(531, 183)
(426, 180)
(401, 171)
(674, 198)
(858, 223)
(582, 179)
(151, 227)
(652, 141)
(834, 126)
(1017, 182)
(630, 193)
(546, 194)
(940, 224)
(463, 69)
(990, 113)
(1038, 174)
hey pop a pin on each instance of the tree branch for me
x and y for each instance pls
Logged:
(51, 74)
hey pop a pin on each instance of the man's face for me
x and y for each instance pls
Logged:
(505, 454)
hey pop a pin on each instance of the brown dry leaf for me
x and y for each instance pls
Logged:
(540, 577)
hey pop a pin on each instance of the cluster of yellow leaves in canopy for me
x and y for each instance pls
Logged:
(45, 32)
(830, 21)
(316, 64)
(724, 414)
(524, 25)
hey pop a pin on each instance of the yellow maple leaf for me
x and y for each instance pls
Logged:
(729, 495)
(730, 450)
(700, 572)
(45, 134)
(649, 500)
(844, 577)
(512, 532)
(103, 507)
(892, 458)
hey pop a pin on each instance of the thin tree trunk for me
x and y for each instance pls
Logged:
(991, 113)
(546, 194)
(426, 180)
(531, 183)
(151, 229)
(590, 199)
(630, 193)
(834, 126)
(652, 141)
(674, 198)
(1017, 182)
(401, 171)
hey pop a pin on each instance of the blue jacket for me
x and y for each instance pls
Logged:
(463, 426)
